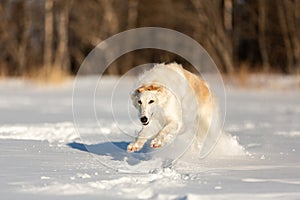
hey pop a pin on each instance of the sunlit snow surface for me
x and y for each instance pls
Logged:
(44, 156)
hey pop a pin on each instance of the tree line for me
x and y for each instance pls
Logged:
(43, 35)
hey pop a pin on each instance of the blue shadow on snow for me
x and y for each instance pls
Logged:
(116, 150)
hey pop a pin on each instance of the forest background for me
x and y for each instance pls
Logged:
(46, 37)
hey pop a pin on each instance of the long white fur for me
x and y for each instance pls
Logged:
(176, 109)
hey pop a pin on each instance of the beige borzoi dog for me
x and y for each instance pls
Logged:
(165, 96)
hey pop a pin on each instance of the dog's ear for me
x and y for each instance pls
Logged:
(134, 97)
(140, 89)
(151, 87)
(154, 87)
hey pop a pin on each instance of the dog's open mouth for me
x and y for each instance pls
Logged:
(145, 124)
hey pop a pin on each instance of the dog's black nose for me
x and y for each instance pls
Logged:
(144, 119)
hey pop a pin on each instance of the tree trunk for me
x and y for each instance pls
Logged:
(24, 39)
(227, 15)
(292, 10)
(131, 23)
(62, 54)
(210, 14)
(286, 38)
(262, 35)
(111, 24)
(48, 40)
(296, 38)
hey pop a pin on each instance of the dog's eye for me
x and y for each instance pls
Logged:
(151, 101)
(139, 101)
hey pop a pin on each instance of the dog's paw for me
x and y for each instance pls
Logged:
(132, 147)
(156, 142)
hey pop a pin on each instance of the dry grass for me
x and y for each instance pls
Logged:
(3, 73)
(256, 78)
(239, 78)
(48, 75)
(242, 76)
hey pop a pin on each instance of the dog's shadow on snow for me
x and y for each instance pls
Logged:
(116, 150)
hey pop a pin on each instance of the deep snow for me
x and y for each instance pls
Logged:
(43, 156)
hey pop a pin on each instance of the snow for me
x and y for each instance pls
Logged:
(59, 132)
(45, 155)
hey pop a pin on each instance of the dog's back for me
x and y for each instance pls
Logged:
(201, 90)
(208, 110)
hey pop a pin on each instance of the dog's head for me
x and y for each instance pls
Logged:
(145, 99)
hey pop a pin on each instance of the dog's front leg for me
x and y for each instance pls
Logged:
(139, 142)
(166, 134)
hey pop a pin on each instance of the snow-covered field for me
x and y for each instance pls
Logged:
(44, 157)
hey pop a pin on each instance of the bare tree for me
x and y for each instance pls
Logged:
(283, 22)
(292, 14)
(3, 37)
(132, 16)
(52, 33)
(262, 34)
(228, 14)
(296, 35)
(132, 13)
(210, 16)
(25, 35)
(48, 40)
(62, 55)
(110, 25)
